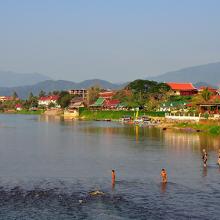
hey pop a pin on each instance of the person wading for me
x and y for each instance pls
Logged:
(113, 178)
(204, 158)
(164, 176)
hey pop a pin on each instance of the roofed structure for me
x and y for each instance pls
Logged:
(106, 94)
(111, 104)
(99, 102)
(183, 89)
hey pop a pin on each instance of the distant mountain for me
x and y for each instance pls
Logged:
(200, 84)
(208, 73)
(12, 79)
(52, 85)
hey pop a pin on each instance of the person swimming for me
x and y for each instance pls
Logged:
(96, 193)
(164, 176)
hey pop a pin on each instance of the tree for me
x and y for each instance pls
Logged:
(51, 105)
(42, 93)
(64, 99)
(206, 94)
(14, 95)
(32, 101)
(93, 94)
(30, 96)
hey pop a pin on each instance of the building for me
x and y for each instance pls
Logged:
(76, 103)
(47, 100)
(210, 108)
(173, 106)
(107, 95)
(111, 104)
(182, 89)
(99, 103)
(210, 89)
(7, 98)
(79, 92)
(18, 107)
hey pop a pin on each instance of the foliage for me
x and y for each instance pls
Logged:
(212, 129)
(147, 86)
(176, 98)
(144, 94)
(51, 105)
(206, 94)
(64, 99)
(14, 95)
(42, 93)
(93, 94)
(114, 115)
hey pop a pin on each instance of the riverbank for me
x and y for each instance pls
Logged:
(24, 112)
(206, 126)
(114, 115)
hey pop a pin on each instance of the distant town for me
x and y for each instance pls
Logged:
(173, 100)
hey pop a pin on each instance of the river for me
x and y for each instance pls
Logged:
(48, 167)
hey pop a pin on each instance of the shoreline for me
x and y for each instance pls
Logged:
(205, 126)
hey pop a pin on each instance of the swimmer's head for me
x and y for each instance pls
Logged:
(163, 169)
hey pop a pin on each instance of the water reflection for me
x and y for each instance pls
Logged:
(190, 141)
(204, 171)
(163, 187)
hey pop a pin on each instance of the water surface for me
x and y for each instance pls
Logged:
(48, 165)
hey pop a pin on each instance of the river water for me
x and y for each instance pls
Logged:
(48, 167)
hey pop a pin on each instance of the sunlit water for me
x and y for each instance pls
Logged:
(48, 167)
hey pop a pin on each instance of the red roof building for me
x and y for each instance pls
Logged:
(183, 89)
(111, 104)
(49, 98)
(106, 95)
(210, 89)
(215, 98)
(46, 100)
(7, 98)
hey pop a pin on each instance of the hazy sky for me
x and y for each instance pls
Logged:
(116, 40)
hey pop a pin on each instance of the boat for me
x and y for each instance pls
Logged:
(126, 119)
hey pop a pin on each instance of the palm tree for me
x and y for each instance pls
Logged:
(206, 94)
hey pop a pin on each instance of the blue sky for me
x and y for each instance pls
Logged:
(116, 40)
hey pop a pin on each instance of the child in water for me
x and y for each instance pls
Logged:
(164, 175)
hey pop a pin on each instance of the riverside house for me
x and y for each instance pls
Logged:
(76, 103)
(173, 106)
(210, 89)
(7, 98)
(212, 106)
(183, 89)
(47, 100)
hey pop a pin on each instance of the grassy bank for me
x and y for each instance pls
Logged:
(27, 112)
(113, 115)
(208, 127)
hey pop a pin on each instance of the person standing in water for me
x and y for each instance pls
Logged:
(205, 158)
(113, 178)
(164, 176)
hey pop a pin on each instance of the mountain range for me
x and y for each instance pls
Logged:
(23, 84)
(12, 79)
(52, 85)
(207, 73)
